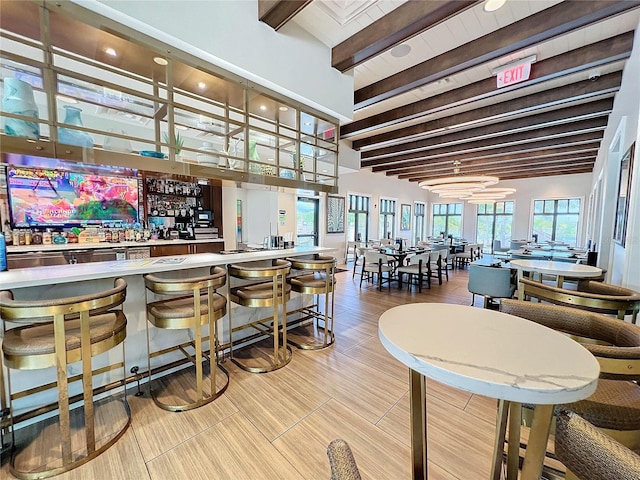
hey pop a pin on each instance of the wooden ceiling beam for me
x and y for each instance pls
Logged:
(554, 98)
(548, 153)
(549, 23)
(581, 59)
(558, 132)
(401, 24)
(586, 167)
(598, 109)
(572, 140)
(505, 165)
(276, 13)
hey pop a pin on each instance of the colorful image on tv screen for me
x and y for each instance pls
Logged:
(52, 197)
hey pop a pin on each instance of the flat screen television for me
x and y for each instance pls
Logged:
(55, 197)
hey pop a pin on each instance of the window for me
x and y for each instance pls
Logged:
(494, 223)
(358, 218)
(307, 221)
(387, 225)
(447, 219)
(419, 210)
(556, 220)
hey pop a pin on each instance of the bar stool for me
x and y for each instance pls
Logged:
(56, 333)
(189, 303)
(317, 278)
(268, 288)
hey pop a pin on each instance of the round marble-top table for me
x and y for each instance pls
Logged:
(559, 269)
(488, 353)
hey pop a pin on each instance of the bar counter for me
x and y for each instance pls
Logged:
(71, 280)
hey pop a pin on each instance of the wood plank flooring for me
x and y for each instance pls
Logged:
(278, 425)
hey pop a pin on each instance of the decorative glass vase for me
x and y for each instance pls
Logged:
(74, 137)
(18, 98)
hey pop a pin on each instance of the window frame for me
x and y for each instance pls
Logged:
(447, 215)
(352, 199)
(556, 214)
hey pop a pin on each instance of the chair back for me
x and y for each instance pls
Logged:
(424, 257)
(618, 347)
(591, 295)
(492, 282)
(375, 257)
(590, 454)
(435, 256)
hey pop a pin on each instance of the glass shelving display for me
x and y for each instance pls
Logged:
(121, 99)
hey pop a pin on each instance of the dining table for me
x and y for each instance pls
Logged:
(549, 267)
(488, 353)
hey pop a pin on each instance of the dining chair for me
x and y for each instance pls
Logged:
(375, 265)
(343, 464)
(359, 261)
(615, 405)
(420, 267)
(491, 283)
(589, 454)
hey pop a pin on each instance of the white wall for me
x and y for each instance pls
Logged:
(622, 262)
(228, 34)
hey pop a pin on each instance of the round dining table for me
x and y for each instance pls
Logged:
(548, 267)
(493, 354)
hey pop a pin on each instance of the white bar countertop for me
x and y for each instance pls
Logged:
(38, 276)
(87, 246)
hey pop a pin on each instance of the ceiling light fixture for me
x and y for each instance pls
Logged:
(283, 109)
(458, 183)
(263, 107)
(493, 5)
(489, 195)
(401, 50)
(161, 61)
(111, 52)
(202, 85)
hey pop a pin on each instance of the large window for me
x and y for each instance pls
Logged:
(387, 225)
(419, 210)
(495, 221)
(556, 220)
(358, 218)
(447, 219)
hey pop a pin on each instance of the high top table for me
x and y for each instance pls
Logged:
(549, 267)
(488, 353)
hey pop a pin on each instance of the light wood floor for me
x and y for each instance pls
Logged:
(278, 425)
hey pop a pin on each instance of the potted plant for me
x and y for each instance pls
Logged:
(178, 139)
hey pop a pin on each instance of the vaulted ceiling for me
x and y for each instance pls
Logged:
(437, 107)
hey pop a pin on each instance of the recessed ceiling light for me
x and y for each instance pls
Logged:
(263, 107)
(283, 109)
(110, 51)
(493, 5)
(161, 61)
(401, 50)
(202, 85)
(181, 127)
(308, 124)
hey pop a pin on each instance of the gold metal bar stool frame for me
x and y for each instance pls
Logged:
(190, 303)
(317, 278)
(56, 333)
(268, 287)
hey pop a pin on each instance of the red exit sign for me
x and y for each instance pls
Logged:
(515, 73)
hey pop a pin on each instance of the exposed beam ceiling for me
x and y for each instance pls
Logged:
(580, 59)
(403, 23)
(552, 22)
(416, 115)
